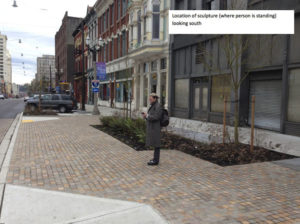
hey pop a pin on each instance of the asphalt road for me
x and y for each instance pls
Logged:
(9, 108)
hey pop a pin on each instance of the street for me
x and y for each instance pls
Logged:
(9, 108)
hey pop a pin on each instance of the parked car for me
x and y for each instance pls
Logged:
(2, 97)
(61, 102)
(26, 98)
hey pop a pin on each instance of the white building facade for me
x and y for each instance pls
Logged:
(5, 67)
(149, 50)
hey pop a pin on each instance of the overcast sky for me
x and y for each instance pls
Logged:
(35, 22)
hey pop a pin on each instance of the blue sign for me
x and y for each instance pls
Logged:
(101, 71)
(95, 90)
(57, 89)
(95, 83)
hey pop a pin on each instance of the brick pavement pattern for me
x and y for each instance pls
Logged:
(4, 126)
(70, 155)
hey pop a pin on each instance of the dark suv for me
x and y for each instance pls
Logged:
(61, 102)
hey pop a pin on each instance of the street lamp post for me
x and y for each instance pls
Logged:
(94, 48)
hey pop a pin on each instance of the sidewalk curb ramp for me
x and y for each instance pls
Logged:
(25, 205)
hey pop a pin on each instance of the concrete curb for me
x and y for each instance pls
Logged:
(6, 150)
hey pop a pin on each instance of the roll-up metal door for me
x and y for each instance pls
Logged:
(267, 104)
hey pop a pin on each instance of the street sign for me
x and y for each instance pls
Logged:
(95, 90)
(95, 85)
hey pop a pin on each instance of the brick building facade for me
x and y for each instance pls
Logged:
(64, 51)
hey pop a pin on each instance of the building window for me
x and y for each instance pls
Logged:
(104, 22)
(153, 82)
(221, 88)
(209, 4)
(223, 5)
(145, 21)
(124, 7)
(163, 88)
(192, 4)
(200, 50)
(112, 13)
(119, 9)
(112, 50)
(153, 66)
(139, 33)
(155, 20)
(294, 93)
(107, 52)
(104, 53)
(107, 19)
(119, 91)
(119, 47)
(163, 63)
(179, 5)
(123, 43)
(146, 68)
(182, 93)
(145, 90)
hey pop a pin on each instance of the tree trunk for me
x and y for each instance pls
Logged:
(236, 116)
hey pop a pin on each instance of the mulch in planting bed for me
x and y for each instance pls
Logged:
(223, 155)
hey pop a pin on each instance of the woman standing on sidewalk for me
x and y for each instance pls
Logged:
(153, 131)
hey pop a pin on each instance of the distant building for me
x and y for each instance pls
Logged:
(64, 49)
(80, 62)
(15, 89)
(46, 71)
(5, 67)
(8, 73)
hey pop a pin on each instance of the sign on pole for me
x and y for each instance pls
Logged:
(95, 85)
(101, 71)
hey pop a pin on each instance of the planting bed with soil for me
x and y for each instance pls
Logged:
(223, 155)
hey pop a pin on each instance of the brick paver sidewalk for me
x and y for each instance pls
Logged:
(70, 155)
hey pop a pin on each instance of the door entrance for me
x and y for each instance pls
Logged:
(200, 98)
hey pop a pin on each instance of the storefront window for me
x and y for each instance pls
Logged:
(145, 91)
(154, 66)
(163, 63)
(104, 92)
(294, 93)
(182, 93)
(119, 91)
(146, 67)
(153, 82)
(163, 92)
(221, 88)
